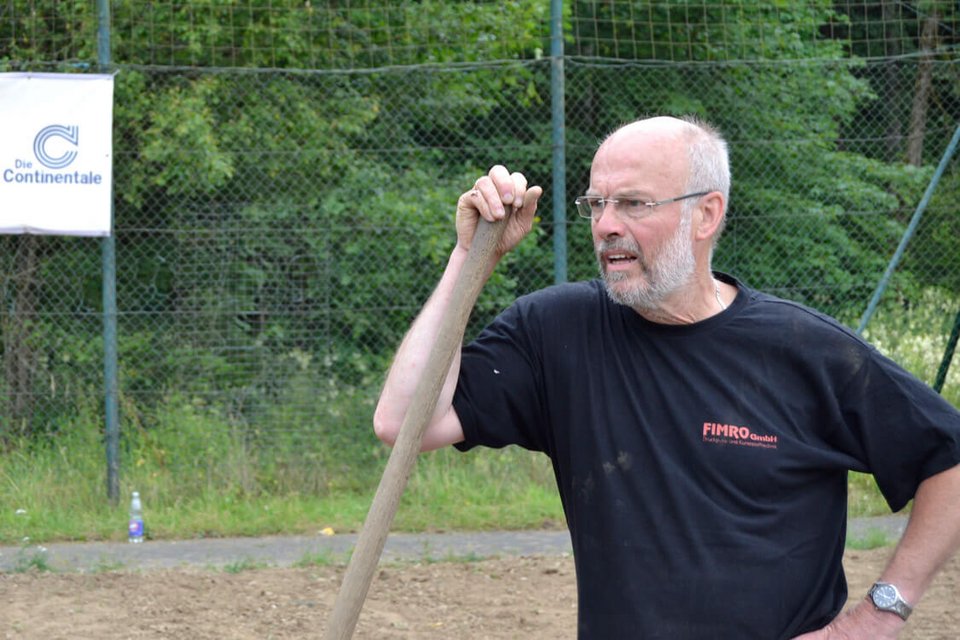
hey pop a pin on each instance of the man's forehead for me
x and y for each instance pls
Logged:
(655, 153)
(652, 130)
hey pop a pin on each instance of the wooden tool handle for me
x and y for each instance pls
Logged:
(373, 535)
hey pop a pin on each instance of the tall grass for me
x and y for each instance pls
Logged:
(199, 475)
(485, 489)
(914, 334)
(202, 472)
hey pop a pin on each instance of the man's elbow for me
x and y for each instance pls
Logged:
(384, 428)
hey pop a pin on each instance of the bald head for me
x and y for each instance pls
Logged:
(687, 145)
(659, 126)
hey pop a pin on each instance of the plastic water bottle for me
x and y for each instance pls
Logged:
(135, 530)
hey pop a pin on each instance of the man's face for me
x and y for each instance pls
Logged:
(647, 282)
(643, 260)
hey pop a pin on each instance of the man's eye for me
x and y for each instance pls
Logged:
(633, 204)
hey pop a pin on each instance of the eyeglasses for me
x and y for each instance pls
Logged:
(591, 207)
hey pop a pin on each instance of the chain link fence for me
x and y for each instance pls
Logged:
(286, 173)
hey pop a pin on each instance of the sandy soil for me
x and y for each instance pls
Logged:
(525, 597)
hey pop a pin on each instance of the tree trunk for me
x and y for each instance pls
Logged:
(20, 298)
(892, 76)
(918, 112)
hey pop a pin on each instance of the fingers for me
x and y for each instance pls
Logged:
(531, 197)
(527, 208)
(500, 189)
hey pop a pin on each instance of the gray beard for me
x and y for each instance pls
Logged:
(670, 273)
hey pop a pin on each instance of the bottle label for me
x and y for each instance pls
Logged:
(136, 528)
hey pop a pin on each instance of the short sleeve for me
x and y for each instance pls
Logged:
(908, 431)
(498, 399)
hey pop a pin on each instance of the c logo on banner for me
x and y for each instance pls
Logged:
(69, 133)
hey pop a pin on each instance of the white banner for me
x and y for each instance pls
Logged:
(56, 153)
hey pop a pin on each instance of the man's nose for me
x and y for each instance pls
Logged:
(609, 222)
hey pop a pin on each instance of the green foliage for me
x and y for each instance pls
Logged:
(47, 32)
(182, 151)
(285, 178)
(307, 35)
(817, 249)
(716, 32)
(938, 263)
(911, 326)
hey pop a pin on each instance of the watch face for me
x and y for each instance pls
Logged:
(884, 596)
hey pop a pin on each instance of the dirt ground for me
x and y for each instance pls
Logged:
(517, 597)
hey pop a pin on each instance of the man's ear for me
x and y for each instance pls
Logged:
(711, 215)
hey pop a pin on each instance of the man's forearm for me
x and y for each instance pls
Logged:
(411, 358)
(932, 535)
(489, 200)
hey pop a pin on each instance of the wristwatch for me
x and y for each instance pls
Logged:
(886, 597)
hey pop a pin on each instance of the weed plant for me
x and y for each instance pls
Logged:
(873, 539)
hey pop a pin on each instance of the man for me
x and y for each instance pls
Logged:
(700, 431)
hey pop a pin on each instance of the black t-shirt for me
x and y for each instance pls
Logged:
(703, 467)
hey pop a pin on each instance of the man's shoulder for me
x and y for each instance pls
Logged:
(804, 331)
(558, 309)
(568, 295)
(771, 307)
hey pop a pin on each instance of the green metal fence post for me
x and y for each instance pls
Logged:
(109, 260)
(947, 355)
(908, 234)
(557, 107)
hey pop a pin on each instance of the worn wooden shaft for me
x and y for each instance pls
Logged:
(373, 535)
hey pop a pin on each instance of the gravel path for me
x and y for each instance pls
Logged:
(284, 551)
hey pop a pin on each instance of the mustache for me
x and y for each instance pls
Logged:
(618, 244)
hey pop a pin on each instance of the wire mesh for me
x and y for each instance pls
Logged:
(285, 176)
